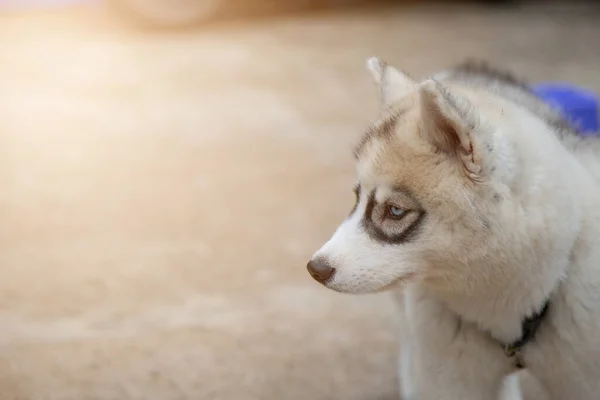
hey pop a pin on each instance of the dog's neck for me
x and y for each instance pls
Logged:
(501, 307)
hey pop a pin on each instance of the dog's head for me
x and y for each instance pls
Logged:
(426, 190)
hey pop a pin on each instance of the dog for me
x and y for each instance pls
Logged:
(477, 207)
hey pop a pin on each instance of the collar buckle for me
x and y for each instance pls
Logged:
(514, 352)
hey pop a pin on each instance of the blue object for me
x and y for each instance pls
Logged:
(580, 106)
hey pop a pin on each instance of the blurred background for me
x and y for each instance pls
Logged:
(168, 167)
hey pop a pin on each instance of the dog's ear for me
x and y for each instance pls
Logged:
(393, 84)
(450, 123)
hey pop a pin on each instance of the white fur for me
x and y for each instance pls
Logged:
(350, 245)
(543, 242)
(392, 83)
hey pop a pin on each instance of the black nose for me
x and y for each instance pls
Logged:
(320, 270)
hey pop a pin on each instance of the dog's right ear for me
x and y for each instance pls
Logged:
(393, 84)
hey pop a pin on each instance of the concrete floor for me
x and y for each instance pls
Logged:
(161, 193)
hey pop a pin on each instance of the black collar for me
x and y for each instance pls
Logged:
(529, 328)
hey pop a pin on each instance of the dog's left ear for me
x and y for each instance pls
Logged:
(450, 123)
(393, 84)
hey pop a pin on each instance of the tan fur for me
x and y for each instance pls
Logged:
(509, 220)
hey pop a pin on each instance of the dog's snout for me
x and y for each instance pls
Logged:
(320, 269)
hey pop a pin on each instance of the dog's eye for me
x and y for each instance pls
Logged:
(394, 212)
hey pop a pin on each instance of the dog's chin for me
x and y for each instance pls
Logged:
(367, 287)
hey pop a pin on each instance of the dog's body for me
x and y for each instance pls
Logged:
(478, 205)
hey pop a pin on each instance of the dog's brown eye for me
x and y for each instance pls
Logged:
(394, 212)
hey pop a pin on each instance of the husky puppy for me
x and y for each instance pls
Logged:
(478, 206)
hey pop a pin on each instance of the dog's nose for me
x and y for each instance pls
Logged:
(320, 269)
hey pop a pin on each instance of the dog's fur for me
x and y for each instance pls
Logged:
(476, 203)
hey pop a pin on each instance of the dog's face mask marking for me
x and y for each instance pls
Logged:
(416, 203)
(371, 249)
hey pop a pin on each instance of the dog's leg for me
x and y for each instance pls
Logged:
(407, 391)
(522, 385)
(511, 388)
(452, 358)
(531, 388)
(405, 377)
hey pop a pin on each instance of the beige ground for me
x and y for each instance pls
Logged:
(161, 193)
